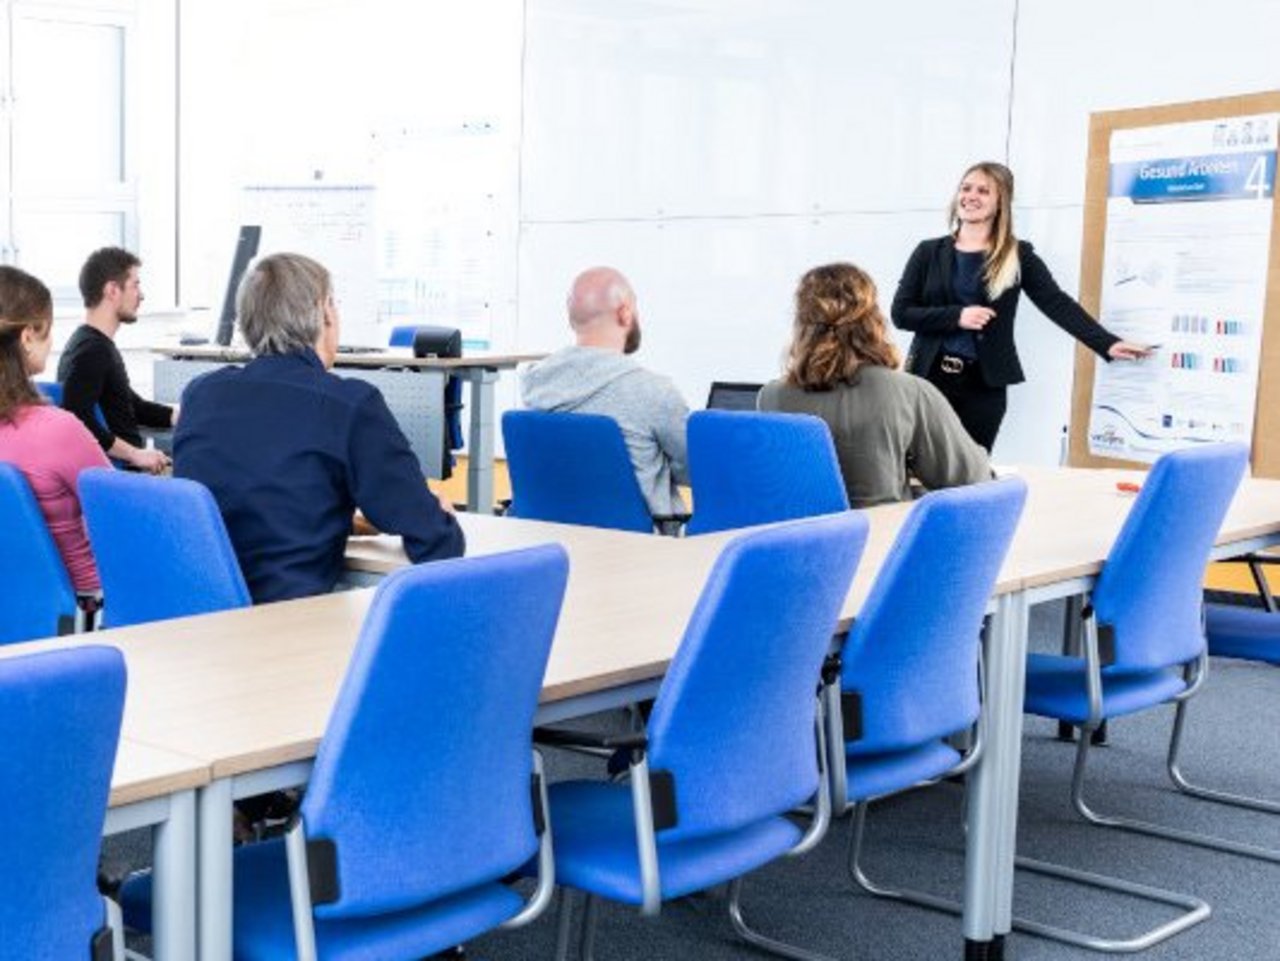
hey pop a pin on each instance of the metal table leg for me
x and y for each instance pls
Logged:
(993, 786)
(480, 441)
(174, 915)
(215, 862)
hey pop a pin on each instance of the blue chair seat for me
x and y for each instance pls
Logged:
(1245, 632)
(871, 775)
(1056, 688)
(596, 846)
(264, 918)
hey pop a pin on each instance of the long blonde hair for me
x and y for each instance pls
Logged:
(838, 328)
(1001, 269)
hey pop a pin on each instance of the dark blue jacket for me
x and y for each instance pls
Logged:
(290, 451)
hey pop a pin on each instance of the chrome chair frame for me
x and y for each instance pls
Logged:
(651, 881)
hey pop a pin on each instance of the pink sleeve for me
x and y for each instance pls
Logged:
(78, 450)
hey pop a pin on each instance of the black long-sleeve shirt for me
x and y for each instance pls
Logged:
(92, 374)
(289, 451)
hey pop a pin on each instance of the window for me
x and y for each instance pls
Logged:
(68, 176)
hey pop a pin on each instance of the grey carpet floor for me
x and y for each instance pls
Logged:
(917, 840)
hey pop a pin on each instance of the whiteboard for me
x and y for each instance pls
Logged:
(332, 225)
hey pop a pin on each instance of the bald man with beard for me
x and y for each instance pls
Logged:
(598, 375)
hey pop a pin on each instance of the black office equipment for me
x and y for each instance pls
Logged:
(725, 395)
(246, 250)
(437, 342)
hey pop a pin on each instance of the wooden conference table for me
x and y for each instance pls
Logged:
(246, 694)
(416, 401)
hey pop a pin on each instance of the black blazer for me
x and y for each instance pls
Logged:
(926, 305)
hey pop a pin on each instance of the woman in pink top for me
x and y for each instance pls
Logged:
(50, 446)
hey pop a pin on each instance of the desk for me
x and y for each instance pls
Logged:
(249, 692)
(416, 401)
(1070, 521)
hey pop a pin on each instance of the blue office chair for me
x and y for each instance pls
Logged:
(909, 676)
(1144, 640)
(39, 599)
(403, 336)
(161, 547)
(754, 468)
(910, 683)
(572, 469)
(59, 725)
(1244, 633)
(731, 744)
(420, 801)
(51, 389)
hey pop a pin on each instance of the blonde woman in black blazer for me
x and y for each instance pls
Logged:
(959, 296)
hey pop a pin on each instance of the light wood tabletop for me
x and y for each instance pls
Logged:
(143, 772)
(1073, 515)
(253, 688)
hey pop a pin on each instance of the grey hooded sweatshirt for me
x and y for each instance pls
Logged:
(647, 407)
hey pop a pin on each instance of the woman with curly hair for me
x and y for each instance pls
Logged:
(887, 425)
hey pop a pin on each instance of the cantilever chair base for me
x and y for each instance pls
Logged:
(1206, 793)
(586, 951)
(1159, 830)
(1194, 909)
(756, 939)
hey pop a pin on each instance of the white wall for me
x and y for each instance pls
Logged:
(713, 150)
(716, 152)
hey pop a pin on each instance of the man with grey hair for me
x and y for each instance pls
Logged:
(597, 375)
(290, 450)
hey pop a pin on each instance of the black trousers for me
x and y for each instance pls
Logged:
(979, 406)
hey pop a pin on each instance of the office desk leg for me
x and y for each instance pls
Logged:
(174, 917)
(480, 442)
(215, 865)
(993, 787)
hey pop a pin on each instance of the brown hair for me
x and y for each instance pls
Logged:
(1002, 268)
(838, 328)
(24, 302)
(103, 266)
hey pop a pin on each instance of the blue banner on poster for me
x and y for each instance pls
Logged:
(1230, 176)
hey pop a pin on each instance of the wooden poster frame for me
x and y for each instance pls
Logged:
(1266, 428)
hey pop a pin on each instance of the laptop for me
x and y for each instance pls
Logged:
(732, 396)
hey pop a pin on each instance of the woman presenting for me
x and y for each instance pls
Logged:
(959, 295)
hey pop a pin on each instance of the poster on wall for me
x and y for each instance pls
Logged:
(443, 216)
(1188, 238)
(333, 224)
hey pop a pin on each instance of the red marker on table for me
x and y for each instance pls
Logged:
(1128, 487)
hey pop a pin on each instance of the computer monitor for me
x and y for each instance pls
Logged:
(732, 396)
(246, 250)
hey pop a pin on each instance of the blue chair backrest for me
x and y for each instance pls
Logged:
(402, 336)
(1151, 587)
(912, 654)
(161, 547)
(734, 718)
(755, 468)
(59, 724)
(51, 389)
(39, 600)
(572, 469)
(422, 780)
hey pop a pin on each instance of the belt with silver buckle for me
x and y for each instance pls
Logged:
(951, 364)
